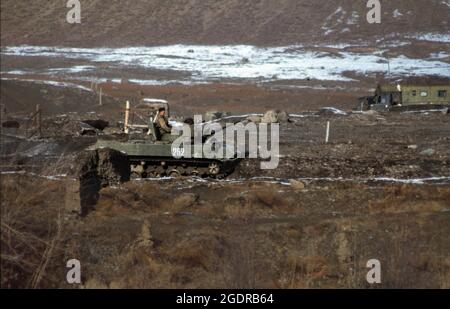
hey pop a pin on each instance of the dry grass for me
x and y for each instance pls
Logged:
(133, 240)
(412, 199)
(242, 263)
(300, 272)
(30, 235)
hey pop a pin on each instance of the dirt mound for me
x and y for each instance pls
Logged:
(97, 169)
(109, 166)
(113, 166)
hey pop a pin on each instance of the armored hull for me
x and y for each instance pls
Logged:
(151, 159)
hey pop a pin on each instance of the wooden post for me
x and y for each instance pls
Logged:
(327, 136)
(100, 97)
(127, 117)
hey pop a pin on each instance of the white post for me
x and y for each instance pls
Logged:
(327, 136)
(127, 117)
(100, 96)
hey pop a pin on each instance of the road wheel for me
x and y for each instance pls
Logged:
(174, 173)
(214, 169)
(135, 175)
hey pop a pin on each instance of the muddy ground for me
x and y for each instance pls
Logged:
(380, 189)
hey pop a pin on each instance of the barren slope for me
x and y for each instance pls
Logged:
(260, 22)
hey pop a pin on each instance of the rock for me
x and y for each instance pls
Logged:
(297, 185)
(214, 115)
(72, 201)
(371, 112)
(245, 60)
(283, 116)
(145, 238)
(254, 118)
(275, 116)
(329, 111)
(446, 111)
(185, 200)
(270, 117)
(86, 129)
(428, 152)
(414, 147)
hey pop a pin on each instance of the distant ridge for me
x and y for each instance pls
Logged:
(257, 22)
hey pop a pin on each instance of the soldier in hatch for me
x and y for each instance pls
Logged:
(162, 123)
(163, 128)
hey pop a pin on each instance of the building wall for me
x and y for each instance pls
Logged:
(425, 95)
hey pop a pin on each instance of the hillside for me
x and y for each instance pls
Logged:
(259, 22)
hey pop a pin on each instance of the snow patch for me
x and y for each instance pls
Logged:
(397, 13)
(75, 69)
(15, 72)
(219, 63)
(51, 83)
(334, 110)
(353, 19)
(150, 100)
(440, 55)
(417, 181)
(432, 37)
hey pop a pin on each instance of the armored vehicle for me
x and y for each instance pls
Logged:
(406, 97)
(152, 155)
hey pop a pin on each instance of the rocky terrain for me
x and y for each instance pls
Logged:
(379, 189)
